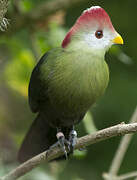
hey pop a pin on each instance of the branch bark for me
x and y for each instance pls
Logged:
(84, 141)
(121, 177)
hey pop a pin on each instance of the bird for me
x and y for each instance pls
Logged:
(67, 81)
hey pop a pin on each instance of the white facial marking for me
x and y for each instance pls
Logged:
(103, 43)
(93, 7)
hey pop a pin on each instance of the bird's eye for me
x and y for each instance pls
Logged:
(99, 34)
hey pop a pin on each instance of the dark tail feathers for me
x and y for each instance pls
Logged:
(39, 138)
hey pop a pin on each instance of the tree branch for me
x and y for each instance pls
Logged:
(120, 153)
(121, 177)
(49, 155)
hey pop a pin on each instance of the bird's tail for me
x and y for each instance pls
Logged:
(38, 139)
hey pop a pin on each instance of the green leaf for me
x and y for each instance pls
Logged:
(80, 154)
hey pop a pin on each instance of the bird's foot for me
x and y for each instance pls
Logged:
(62, 143)
(72, 139)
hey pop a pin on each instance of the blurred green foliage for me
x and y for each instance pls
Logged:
(17, 73)
(20, 51)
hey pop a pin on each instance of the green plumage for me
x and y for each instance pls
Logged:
(63, 86)
(66, 83)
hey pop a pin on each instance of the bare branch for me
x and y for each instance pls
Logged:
(121, 177)
(128, 175)
(120, 153)
(49, 155)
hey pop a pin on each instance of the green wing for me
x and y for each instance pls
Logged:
(41, 75)
(36, 85)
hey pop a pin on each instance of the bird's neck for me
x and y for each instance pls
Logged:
(83, 46)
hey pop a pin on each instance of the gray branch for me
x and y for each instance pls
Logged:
(121, 151)
(121, 177)
(84, 141)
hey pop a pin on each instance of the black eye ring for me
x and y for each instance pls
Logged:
(99, 34)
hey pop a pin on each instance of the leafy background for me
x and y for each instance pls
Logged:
(21, 48)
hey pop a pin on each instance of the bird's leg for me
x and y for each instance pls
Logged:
(72, 139)
(62, 142)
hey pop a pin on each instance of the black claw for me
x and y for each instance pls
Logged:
(66, 155)
(61, 143)
(67, 143)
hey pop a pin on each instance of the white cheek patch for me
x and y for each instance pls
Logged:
(103, 43)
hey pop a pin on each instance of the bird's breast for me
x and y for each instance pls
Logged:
(75, 87)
